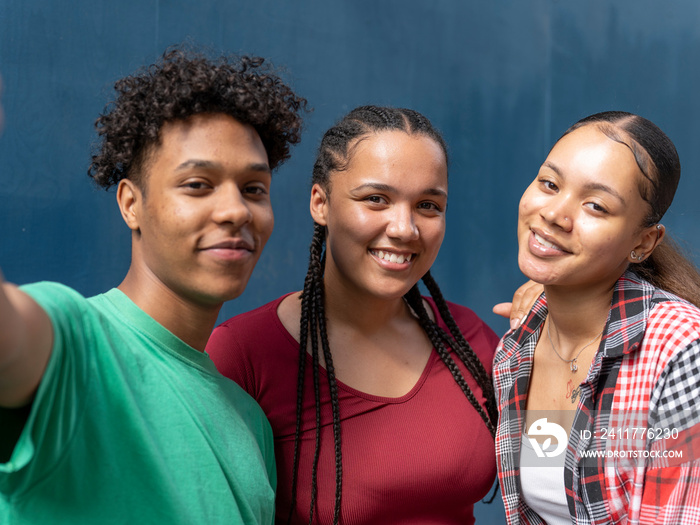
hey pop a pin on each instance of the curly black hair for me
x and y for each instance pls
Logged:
(183, 84)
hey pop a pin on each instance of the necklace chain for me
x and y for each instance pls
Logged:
(572, 362)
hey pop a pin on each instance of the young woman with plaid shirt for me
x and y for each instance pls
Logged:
(611, 350)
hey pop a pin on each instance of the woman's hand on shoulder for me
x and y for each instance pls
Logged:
(523, 300)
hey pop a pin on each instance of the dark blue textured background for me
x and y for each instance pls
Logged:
(501, 79)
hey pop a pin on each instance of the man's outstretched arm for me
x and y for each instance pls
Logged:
(26, 338)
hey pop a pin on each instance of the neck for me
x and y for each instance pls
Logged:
(578, 315)
(189, 321)
(362, 311)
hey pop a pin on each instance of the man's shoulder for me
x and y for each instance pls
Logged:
(63, 303)
(48, 290)
(60, 302)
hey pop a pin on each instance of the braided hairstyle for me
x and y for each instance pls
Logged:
(334, 156)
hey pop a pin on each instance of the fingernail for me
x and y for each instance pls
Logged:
(514, 323)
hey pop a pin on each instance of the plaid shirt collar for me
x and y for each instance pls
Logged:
(624, 328)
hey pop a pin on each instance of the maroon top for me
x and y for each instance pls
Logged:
(425, 457)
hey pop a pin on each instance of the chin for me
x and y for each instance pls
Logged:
(233, 293)
(539, 275)
(230, 285)
(223, 293)
(393, 292)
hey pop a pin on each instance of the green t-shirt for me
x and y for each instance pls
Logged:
(132, 425)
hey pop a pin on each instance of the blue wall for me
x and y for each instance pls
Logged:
(501, 79)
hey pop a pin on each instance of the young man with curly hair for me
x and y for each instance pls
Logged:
(122, 416)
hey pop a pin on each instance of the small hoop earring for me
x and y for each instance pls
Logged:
(636, 257)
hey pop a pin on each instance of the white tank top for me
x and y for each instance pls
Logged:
(542, 485)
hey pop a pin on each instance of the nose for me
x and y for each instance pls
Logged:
(558, 212)
(402, 224)
(231, 207)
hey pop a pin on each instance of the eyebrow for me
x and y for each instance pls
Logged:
(208, 164)
(385, 187)
(591, 186)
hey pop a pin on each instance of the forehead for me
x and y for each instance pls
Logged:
(392, 142)
(589, 153)
(210, 138)
(213, 135)
(395, 153)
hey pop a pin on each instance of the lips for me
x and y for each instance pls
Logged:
(393, 257)
(542, 245)
(230, 251)
(546, 243)
(231, 244)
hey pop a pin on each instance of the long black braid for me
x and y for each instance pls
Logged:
(334, 156)
(441, 340)
(465, 353)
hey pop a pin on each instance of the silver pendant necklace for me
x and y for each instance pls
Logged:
(572, 362)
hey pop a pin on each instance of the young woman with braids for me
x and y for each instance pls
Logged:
(380, 400)
(611, 350)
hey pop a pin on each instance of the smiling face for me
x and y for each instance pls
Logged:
(385, 215)
(582, 215)
(204, 216)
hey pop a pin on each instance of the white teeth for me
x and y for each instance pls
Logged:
(392, 257)
(546, 243)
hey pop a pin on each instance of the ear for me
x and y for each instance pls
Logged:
(319, 205)
(129, 199)
(649, 239)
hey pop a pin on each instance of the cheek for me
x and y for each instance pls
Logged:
(264, 222)
(523, 221)
(433, 234)
(529, 204)
(166, 219)
(179, 211)
(602, 243)
(532, 203)
(181, 221)
(357, 224)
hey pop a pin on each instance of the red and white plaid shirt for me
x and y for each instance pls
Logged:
(646, 375)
